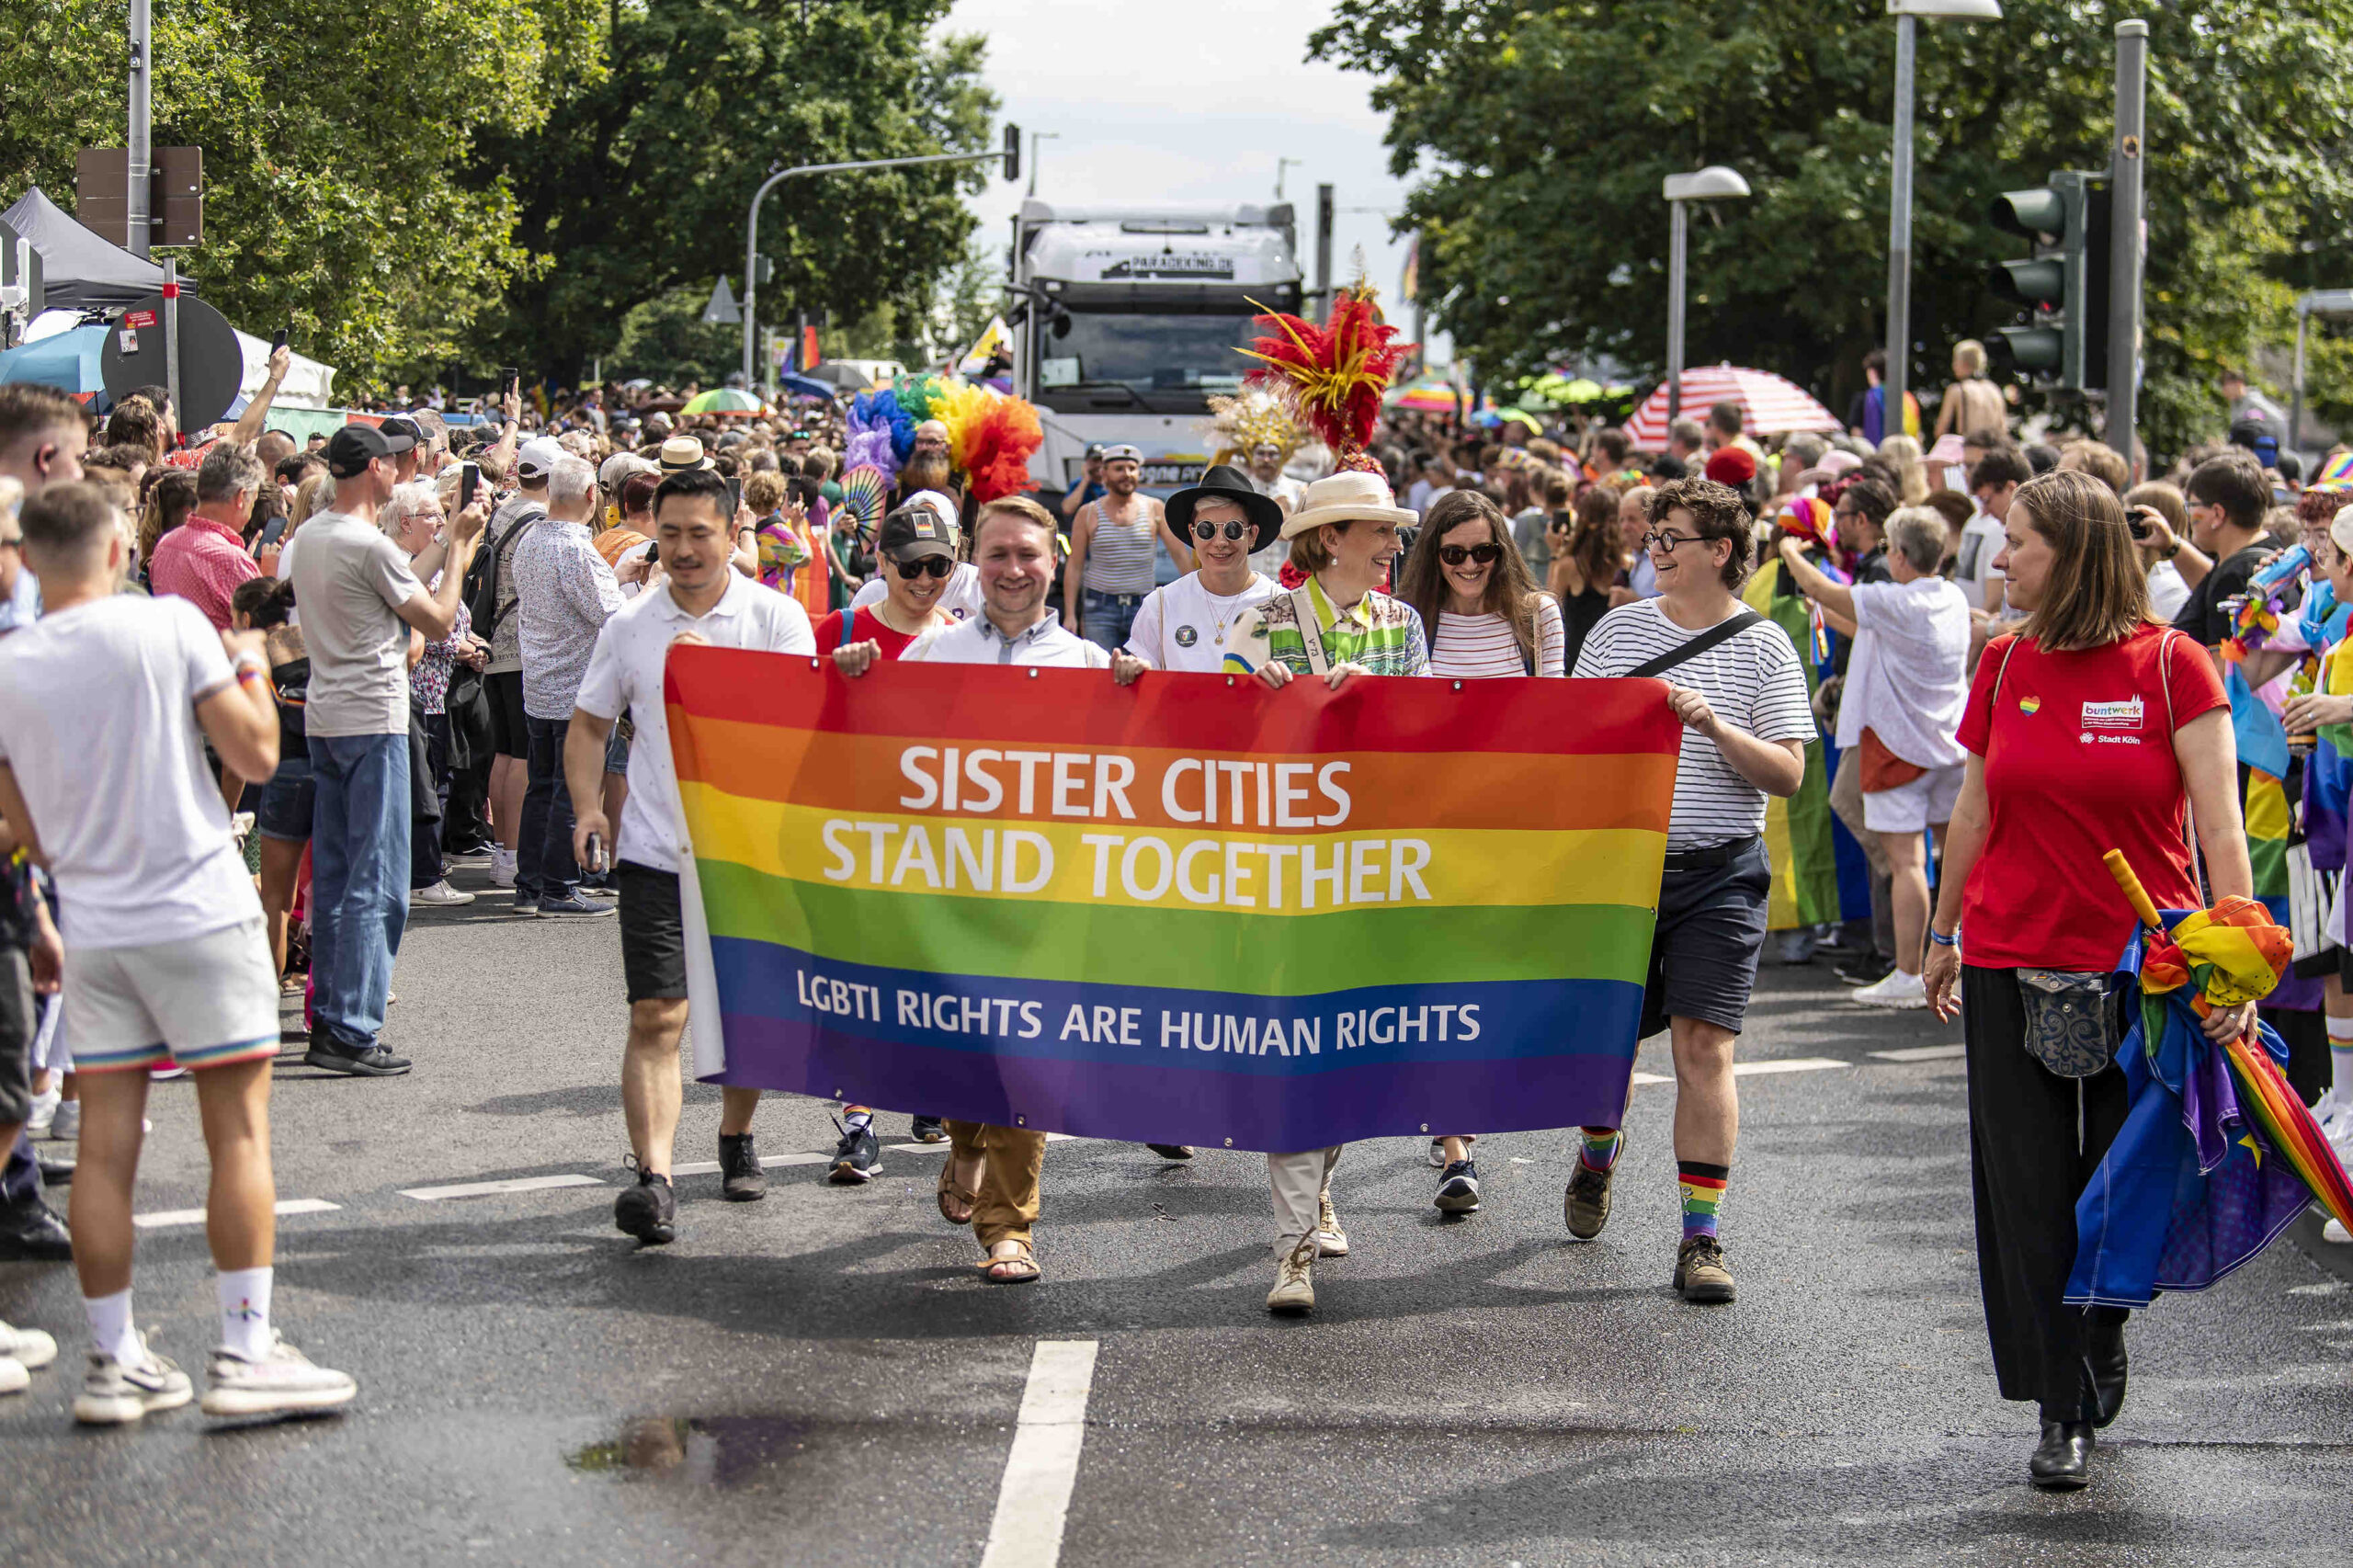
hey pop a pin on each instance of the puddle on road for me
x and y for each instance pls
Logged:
(700, 1450)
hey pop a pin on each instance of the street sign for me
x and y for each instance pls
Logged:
(102, 194)
(723, 306)
(211, 364)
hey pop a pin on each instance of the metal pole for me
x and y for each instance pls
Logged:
(1899, 232)
(2128, 237)
(139, 176)
(1675, 241)
(172, 335)
(2296, 413)
(1323, 252)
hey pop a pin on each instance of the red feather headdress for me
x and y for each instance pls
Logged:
(1333, 375)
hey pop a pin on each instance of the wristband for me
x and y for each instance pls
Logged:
(1952, 942)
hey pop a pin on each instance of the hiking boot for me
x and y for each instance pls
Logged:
(648, 1211)
(1586, 1206)
(741, 1180)
(1295, 1289)
(1700, 1272)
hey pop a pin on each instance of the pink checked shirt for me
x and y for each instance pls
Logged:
(202, 561)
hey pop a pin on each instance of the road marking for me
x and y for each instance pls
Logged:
(705, 1167)
(1924, 1054)
(485, 1188)
(1759, 1069)
(1039, 1473)
(164, 1218)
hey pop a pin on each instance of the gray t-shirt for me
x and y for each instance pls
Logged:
(349, 580)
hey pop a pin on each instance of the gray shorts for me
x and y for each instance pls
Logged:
(206, 1002)
(1710, 930)
(19, 1021)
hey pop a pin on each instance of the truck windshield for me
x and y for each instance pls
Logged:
(1159, 364)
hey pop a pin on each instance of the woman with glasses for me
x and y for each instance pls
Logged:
(1181, 626)
(915, 554)
(1734, 679)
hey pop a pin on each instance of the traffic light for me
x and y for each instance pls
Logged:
(1012, 151)
(2063, 284)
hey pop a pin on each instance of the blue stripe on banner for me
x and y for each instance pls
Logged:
(1141, 1064)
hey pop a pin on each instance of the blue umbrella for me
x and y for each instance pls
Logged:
(802, 386)
(68, 361)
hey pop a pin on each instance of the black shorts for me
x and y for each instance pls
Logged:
(1704, 952)
(509, 735)
(19, 1021)
(654, 933)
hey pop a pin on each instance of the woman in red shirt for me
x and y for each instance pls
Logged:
(917, 557)
(2088, 730)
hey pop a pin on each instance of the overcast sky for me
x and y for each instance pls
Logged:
(1192, 101)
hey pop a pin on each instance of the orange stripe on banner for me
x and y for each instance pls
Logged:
(1520, 791)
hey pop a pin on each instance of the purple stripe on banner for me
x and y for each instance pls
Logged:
(1179, 1066)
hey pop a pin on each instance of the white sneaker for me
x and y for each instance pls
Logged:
(282, 1382)
(502, 868)
(65, 1126)
(1898, 990)
(2333, 1231)
(116, 1395)
(1330, 1240)
(440, 895)
(1295, 1289)
(44, 1111)
(29, 1347)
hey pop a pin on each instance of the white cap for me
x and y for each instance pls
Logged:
(538, 456)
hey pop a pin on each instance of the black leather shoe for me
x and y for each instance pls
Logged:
(2104, 1366)
(30, 1233)
(335, 1057)
(2062, 1462)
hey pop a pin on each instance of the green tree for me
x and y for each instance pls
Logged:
(1544, 132)
(667, 340)
(639, 180)
(339, 196)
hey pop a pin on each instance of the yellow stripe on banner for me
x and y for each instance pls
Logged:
(2267, 806)
(1160, 867)
(1782, 899)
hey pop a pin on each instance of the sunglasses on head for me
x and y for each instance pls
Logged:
(929, 566)
(1485, 554)
(1234, 529)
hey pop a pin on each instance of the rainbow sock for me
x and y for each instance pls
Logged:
(1703, 1196)
(1601, 1147)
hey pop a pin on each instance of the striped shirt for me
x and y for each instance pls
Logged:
(1753, 681)
(1381, 634)
(1119, 557)
(1479, 647)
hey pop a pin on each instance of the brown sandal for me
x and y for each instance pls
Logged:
(951, 1191)
(1024, 1264)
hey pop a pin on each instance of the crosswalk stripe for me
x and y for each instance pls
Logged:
(487, 1188)
(163, 1219)
(1034, 1500)
(1759, 1069)
(1924, 1054)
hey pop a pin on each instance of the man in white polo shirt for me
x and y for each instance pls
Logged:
(1181, 626)
(703, 600)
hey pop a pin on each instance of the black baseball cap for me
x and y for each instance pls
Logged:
(402, 424)
(351, 448)
(912, 533)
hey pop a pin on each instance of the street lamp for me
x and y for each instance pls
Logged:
(1713, 183)
(1038, 138)
(1908, 14)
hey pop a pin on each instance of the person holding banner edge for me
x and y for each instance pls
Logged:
(1734, 681)
(1336, 625)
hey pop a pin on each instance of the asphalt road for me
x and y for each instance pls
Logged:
(821, 1378)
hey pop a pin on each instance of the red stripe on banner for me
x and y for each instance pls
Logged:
(1085, 707)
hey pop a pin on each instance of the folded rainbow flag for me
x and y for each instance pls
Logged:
(1188, 911)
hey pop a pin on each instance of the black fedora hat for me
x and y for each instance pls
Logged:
(1225, 483)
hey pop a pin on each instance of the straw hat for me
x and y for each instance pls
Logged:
(1347, 497)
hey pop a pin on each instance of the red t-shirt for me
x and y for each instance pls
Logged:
(2079, 760)
(867, 628)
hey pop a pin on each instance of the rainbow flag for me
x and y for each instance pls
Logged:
(1800, 832)
(1192, 910)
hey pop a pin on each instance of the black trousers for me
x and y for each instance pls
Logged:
(2034, 1141)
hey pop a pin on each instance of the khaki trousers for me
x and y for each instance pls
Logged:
(1300, 1182)
(1846, 802)
(1010, 1160)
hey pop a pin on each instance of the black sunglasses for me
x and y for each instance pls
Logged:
(1485, 554)
(1234, 529)
(929, 566)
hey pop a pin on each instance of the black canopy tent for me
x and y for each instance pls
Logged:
(80, 268)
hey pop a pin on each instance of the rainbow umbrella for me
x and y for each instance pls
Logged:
(1426, 396)
(2335, 473)
(726, 400)
(2233, 953)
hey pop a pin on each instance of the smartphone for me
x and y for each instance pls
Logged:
(469, 476)
(735, 497)
(596, 866)
(2137, 522)
(509, 379)
(280, 341)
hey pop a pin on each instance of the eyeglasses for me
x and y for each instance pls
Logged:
(1234, 529)
(1485, 554)
(12, 542)
(1660, 538)
(929, 566)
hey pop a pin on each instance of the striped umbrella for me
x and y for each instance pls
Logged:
(726, 400)
(1768, 404)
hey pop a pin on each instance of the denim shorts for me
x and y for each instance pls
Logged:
(284, 811)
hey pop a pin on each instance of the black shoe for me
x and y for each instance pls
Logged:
(335, 1056)
(856, 1156)
(1172, 1151)
(2062, 1462)
(648, 1211)
(929, 1129)
(1458, 1189)
(30, 1233)
(2103, 1366)
(1866, 970)
(59, 1173)
(741, 1178)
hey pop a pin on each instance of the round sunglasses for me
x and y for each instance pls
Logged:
(1485, 554)
(1235, 529)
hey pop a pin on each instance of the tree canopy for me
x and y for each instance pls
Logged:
(1544, 131)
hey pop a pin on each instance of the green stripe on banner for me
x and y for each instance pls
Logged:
(1252, 955)
(1805, 857)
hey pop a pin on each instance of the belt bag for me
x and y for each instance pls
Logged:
(2072, 1023)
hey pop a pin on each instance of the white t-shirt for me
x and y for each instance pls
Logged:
(1181, 626)
(961, 598)
(1482, 647)
(2168, 593)
(1753, 681)
(978, 641)
(1642, 577)
(1908, 679)
(1981, 541)
(349, 579)
(624, 676)
(97, 718)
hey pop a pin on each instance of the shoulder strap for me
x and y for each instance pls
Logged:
(2189, 811)
(850, 622)
(1723, 632)
(1311, 630)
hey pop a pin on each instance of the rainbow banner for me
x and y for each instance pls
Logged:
(1191, 910)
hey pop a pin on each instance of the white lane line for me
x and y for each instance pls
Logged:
(1924, 1054)
(1759, 1069)
(164, 1218)
(485, 1188)
(1039, 1473)
(705, 1167)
